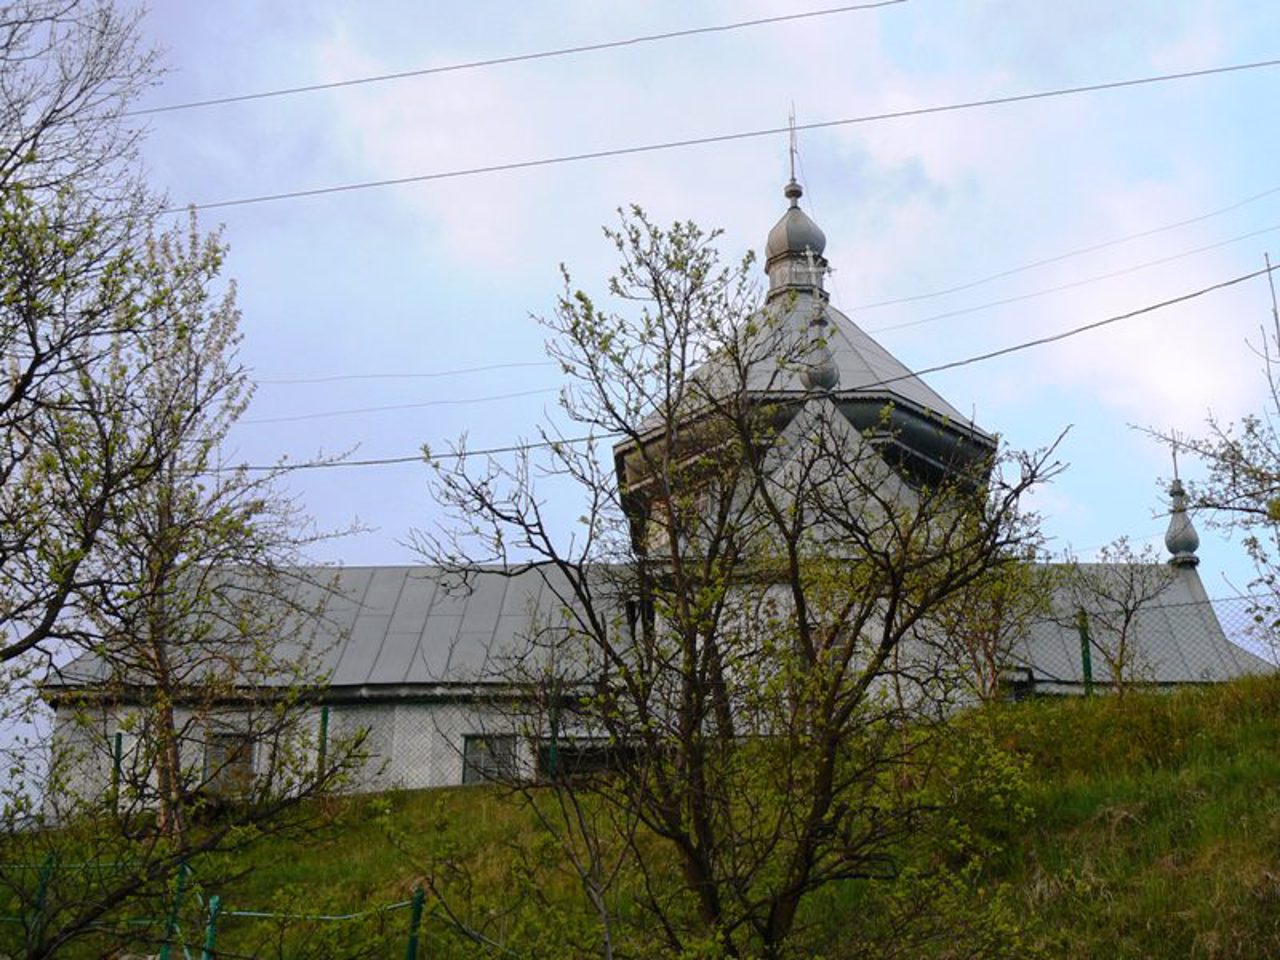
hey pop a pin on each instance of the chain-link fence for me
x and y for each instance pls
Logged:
(1151, 643)
(1252, 624)
(426, 742)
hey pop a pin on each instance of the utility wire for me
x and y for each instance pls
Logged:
(1079, 251)
(547, 363)
(722, 138)
(1075, 331)
(952, 365)
(335, 378)
(420, 457)
(1072, 285)
(398, 406)
(409, 376)
(515, 58)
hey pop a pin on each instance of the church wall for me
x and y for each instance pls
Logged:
(411, 745)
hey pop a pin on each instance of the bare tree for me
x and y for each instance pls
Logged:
(70, 72)
(986, 623)
(742, 630)
(1107, 599)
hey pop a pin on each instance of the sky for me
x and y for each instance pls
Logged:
(372, 296)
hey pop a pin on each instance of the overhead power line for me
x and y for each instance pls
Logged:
(415, 457)
(963, 311)
(461, 371)
(1035, 294)
(1076, 331)
(398, 406)
(334, 378)
(938, 368)
(724, 137)
(515, 58)
(1077, 252)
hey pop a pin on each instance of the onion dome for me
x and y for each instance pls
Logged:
(821, 372)
(1181, 537)
(793, 252)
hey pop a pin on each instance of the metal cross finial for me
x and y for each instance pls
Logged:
(791, 126)
(815, 278)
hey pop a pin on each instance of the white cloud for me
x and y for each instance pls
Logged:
(908, 205)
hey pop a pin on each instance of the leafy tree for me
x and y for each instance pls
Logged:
(198, 596)
(71, 209)
(70, 72)
(124, 539)
(738, 694)
(66, 300)
(186, 726)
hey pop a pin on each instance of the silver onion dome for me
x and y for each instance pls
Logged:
(1181, 537)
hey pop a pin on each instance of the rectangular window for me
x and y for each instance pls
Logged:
(488, 758)
(228, 763)
(577, 757)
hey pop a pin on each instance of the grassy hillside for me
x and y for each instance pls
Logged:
(1150, 828)
(1156, 823)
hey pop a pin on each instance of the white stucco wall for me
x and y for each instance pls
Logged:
(411, 745)
(80, 761)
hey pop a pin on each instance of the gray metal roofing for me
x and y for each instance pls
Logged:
(415, 625)
(1178, 637)
(407, 624)
(863, 364)
(422, 625)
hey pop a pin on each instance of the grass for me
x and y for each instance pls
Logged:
(1152, 830)
(1156, 823)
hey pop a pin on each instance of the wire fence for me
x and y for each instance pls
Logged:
(1123, 642)
(196, 924)
(1252, 623)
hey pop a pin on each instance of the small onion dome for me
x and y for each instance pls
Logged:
(821, 372)
(1181, 537)
(795, 233)
(793, 253)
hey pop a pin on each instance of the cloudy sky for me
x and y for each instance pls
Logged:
(365, 299)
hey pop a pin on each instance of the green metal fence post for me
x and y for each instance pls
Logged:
(323, 749)
(415, 921)
(553, 751)
(171, 922)
(117, 766)
(211, 929)
(35, 933)
(1086, 655)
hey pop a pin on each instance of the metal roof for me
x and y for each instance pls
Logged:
(776, 348)
(773, 371)
(1177, 635)
(405, 625)
(386, 628)
(862, 364)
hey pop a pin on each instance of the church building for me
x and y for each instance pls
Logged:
(407, 650)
